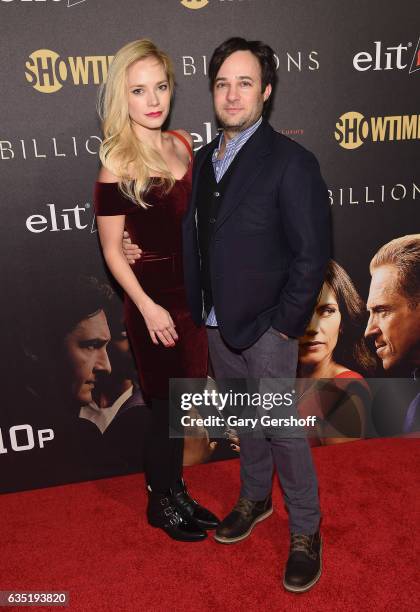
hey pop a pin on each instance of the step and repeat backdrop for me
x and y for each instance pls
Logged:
(348, 89)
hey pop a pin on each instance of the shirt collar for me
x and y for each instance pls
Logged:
(242, 137)
(102, 417)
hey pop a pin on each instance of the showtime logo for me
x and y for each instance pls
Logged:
(194, 4)
(353, 129)
(47, 72)
(396, 57)
(199, 4)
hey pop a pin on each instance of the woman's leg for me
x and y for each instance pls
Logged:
(163, 455)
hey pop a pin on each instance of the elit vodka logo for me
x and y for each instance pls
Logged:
(64, 220)
(194, 4)
(380, 57)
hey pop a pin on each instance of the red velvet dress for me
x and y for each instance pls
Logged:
(158, 232)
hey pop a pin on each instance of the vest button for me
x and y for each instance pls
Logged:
(216, 194)
(212, 220)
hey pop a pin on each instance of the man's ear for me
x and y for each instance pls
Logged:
(267, 92)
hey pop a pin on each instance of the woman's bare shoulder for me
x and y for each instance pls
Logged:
(106, 176)
(185, 134)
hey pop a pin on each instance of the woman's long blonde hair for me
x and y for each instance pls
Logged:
(121, 150)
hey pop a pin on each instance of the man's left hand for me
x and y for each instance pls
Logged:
(132, 252)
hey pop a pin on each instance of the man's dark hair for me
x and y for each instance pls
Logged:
(263, 53)
(61, 307)
(81, 298)
(351, 349)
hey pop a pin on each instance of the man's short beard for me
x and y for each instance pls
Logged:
(239, 127)
(236, 127)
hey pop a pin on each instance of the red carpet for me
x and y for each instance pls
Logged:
(92, 540)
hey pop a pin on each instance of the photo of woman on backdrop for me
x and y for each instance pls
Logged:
(333, 352)
(333, 357)
(144, 186)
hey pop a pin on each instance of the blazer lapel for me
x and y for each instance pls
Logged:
(250, 164)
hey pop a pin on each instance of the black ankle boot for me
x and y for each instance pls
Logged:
(192, 509)
(163, 512)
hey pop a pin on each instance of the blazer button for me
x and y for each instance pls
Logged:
(212, 220)
(216, 194)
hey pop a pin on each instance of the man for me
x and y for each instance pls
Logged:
(394, 304)
(119, 391)
(81, 340)
(257, 255)
(102, 417)
(394, 326)
(65, 344)
(86, 356)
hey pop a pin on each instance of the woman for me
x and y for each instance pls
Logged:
(145, 184)
(334, 338)
(341, 399)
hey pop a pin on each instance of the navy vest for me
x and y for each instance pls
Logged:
(209, 200)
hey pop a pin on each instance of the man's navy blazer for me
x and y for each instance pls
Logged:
(270, 244)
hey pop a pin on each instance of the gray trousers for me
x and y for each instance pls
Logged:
(271, 357)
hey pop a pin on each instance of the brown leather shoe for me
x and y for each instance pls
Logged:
(240, 522)
(304, 565)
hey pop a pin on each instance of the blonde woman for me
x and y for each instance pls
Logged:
(144, 186)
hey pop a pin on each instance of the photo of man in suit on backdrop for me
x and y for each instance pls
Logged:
(63, 355)
(66, 341)
(394, 329)
(79, 383)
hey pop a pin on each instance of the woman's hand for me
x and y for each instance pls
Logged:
(159, 323)
(232, 436)
(197, 445)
